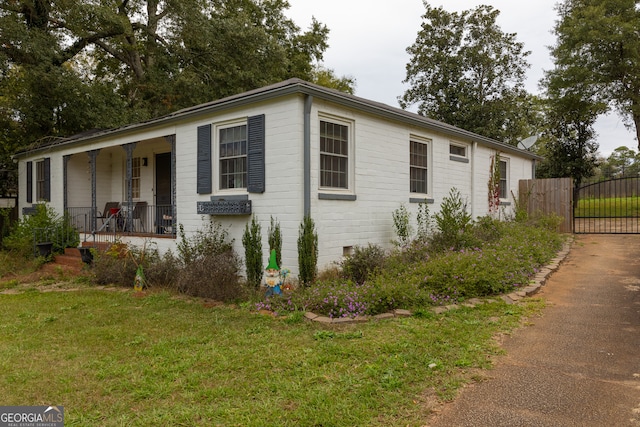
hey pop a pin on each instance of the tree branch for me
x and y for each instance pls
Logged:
(79, 45)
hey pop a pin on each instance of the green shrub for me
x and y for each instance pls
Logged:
(12, 265)
(209, 266)
(206, 265)
(452, 223)
(424, 221)
(550, 222)
(118, 265)
(252, 242)
(307, 252)
(416, 277)
(363, 262)
(212, 276)
(45, 225)
(402, 226)
(211, 239)
(487, 229)
(163, 271)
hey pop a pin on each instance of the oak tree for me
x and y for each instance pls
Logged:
(465, 71)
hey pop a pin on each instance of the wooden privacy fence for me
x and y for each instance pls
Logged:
(548, 196)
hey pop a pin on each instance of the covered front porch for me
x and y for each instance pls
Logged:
(122, 190)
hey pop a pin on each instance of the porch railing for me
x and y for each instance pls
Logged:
(54, 240)
(145, 220)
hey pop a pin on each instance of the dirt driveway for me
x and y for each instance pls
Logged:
(579, 363)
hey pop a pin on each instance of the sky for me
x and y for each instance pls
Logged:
(368, 41)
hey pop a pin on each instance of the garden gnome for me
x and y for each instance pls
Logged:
(272, 276)
(140, 281)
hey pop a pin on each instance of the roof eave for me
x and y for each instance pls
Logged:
(291, 87)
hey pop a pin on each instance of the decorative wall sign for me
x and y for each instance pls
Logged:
(225, 207)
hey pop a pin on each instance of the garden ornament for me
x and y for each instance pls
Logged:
(274, 276)
(140, 281)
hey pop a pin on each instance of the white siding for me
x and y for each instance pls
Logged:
(379, 168)
(283, 197)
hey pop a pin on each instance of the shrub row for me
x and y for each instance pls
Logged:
(505, 256)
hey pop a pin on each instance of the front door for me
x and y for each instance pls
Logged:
(164, 210)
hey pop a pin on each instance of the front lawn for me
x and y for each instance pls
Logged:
(112, 358)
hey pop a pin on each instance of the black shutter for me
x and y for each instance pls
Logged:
(204, 170)
(255, 135)
(47, 180)
(29, 182)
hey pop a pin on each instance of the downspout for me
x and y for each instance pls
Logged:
(533, 169)
(308, 102)
(474, 149)
(65, 181)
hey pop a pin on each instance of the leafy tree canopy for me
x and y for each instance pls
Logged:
(69, 66)
(568, 135)
(465, 71)
(156, 56)
(598, 41)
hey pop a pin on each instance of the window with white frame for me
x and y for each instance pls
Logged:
(419, 167)
(233, 157)
(504, 179)
(40, 180)
(334, 155)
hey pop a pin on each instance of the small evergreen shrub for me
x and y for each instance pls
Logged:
(402, 226)
(252, 242)
(424, 221)
(452, 223)
(307, 251)
(363, 262)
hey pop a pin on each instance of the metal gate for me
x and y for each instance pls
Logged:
(608, 207)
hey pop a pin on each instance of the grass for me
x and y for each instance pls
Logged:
(11, 265)
(114, 359)
(613, 207)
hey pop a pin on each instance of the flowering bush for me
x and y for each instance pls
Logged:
(415, 277)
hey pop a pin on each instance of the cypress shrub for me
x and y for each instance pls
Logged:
(307, 251)
(252, 242)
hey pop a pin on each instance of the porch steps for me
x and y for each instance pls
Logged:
(99, 246)
(70, 259)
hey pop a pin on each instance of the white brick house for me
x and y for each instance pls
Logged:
(282, 151)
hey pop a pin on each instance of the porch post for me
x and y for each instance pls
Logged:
(93, 154)
(128, 148)
(171, 139)
(65, 164)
